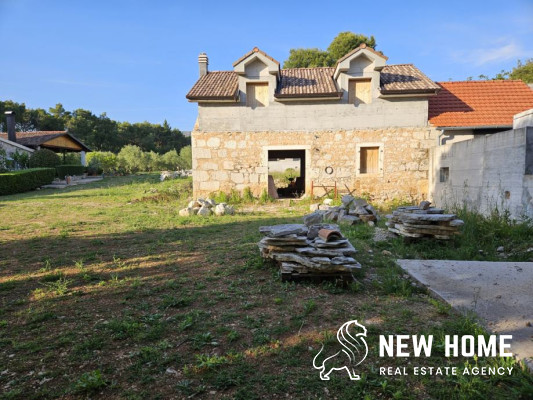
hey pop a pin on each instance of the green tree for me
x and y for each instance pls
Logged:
(523, 71)
(186, 157)
(341, 45)
(345, 42)
(303, 58)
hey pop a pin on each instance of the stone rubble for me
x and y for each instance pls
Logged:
(423, 221)
(205, 208)
(301, 249)
(354, 210)
(165, 175)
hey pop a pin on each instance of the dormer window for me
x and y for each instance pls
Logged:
(360, 91)
(257, 94)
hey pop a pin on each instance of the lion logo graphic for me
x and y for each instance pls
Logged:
(354, 351)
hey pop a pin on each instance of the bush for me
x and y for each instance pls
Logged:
(102, 161)
(63, 170)
(44, 158)
(24, 180)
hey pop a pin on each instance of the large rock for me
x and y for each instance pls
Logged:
(313, 218)
(347, 200)
(349, 220)
(360, 210)
(219, 210)
(211, 203)
(360, 202)
(204, 211)
(283, 230)
(186, 212)
(314, 207)
(327, 202)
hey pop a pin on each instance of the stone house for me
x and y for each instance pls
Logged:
(362, 125)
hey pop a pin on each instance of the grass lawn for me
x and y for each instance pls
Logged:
(106, 292)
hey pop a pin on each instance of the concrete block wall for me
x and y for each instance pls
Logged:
(312, 116)
(223, 161)
(485, 173)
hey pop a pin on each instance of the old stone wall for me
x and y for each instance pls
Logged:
(223, 161)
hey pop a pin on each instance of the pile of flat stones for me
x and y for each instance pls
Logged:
(353, 210)
(205, 208)
(423, 221)
(313, 248)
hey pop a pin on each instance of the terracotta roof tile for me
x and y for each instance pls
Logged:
(362, 46)
(255, 50)
(479, 103)
(215, 85)
(405, 78)
(307, 82)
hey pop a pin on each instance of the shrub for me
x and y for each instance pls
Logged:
(44, 158)
(63, 170)
(3, 160)
(22, 159)
(71, 159)
(102, 161)
(24, 180)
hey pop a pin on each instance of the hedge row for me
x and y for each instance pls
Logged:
(63, 170)
(26, 179)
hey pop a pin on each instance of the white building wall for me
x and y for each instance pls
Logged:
(485, 173)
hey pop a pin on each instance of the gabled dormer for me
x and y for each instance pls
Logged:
(258, 78)
(357, 75)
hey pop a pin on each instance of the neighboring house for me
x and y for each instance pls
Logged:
(462, 110)
(362, 124)
(12, 148)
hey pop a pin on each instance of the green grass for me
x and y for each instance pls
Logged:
(106, 292)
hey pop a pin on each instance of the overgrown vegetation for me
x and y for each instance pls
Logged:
(120, 297)
(132, 159)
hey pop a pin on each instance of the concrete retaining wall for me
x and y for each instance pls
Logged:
(486, 173)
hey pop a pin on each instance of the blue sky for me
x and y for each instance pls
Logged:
(136, 60)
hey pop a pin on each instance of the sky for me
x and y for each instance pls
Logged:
(136, 60)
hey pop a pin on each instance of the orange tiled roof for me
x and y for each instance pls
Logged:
(479, 103)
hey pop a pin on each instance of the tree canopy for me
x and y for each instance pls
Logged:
(341, 45)
(523, 71)
(98, 132)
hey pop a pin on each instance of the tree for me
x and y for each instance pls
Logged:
(186, 157)
(523, 71)
(302, 58)
(345, 42)
(341, 45)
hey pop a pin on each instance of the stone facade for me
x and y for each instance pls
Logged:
(223, 161)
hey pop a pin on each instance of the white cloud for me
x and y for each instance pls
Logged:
(502, 50)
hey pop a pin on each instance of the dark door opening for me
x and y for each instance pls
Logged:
(286, 173)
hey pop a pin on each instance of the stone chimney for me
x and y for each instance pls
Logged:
(10, 118)
(202, 63)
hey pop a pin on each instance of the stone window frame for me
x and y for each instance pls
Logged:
(381, 150)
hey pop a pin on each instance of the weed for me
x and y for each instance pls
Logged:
(90, 382)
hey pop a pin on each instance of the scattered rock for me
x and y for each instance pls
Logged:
(386, 253)
(313, 219)
(347, 200)
(327, 202)
(314, 207)
(204, 211)
(424, 205)
(500, 249)
(186, 212)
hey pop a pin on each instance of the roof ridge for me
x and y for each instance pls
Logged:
(392, 65)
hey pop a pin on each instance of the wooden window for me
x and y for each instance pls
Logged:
(257, 95)
(359, 91)
(369, 160)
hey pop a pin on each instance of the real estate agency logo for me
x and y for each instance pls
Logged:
(352, 350)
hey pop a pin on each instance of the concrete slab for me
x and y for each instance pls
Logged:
(500, 293)
(63, 184)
